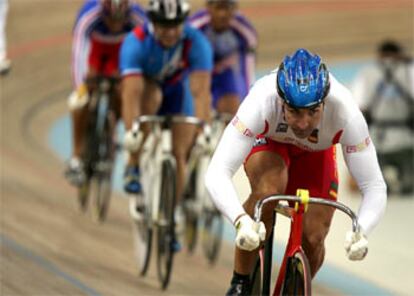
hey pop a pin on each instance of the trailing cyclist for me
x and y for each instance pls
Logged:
(285, 132)
(234, 42)
(166, 67)
(100, 27)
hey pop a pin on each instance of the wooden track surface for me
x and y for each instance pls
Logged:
(47, 247)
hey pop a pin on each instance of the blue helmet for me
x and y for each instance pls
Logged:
(302, 80)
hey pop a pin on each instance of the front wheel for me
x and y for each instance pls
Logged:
(101, 186)
(298, 277)
(166, 225)
(142, 233)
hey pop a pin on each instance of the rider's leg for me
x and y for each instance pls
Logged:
(228, 104)
(317, 172)
(267, 174)
(183, 139)
(316, 223)
(79, 121)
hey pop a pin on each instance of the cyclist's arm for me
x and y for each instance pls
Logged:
(249, 35)
(200, 89)
(132, 89)
(228, 157)
(201, 65)
(132, 80)
(235, 145)
(361, 159)
(85, 21)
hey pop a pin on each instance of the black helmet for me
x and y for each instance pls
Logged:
(168, 12)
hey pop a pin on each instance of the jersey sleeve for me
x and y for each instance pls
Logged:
(85, 20)
(235, 144)
(361, 159)
(131, 56)
(201, 53)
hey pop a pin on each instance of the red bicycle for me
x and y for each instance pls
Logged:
(294, 276)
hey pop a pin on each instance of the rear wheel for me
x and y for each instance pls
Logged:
(297, 278)
(83, 196)
(166, 226)
(212, 233)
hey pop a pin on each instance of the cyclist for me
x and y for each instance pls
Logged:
(100, 27)
(385, 91)
(4, 61)
(234, 42)
(166, 68)
(285, 131)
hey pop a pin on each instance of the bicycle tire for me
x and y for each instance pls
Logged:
(262, 273)
(83, 196)
(102, 197)
(297, 279)
(212, 233)
(142, 234)
(256, 279)
(166, 225)
(102, 168)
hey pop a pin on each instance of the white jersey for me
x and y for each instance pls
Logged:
(261, 113)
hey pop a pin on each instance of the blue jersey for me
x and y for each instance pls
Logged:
(142, 54)
(90, 31)
(234, 54)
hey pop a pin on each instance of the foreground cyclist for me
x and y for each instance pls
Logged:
(285, 131)
(234, 42)
(100, 27)
(166, 68)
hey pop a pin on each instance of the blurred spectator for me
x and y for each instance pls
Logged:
(4, 62)
(385, 92)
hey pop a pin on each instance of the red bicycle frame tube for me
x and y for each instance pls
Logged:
(294, 244)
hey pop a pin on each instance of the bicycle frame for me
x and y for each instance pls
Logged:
(159, 168)
(294, 244)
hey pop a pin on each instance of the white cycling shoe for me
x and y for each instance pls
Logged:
(74, 172)
(5, 66)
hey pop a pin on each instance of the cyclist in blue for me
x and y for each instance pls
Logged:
(166, 67)
(234, 42)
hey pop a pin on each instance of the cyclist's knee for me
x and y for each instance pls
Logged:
(180, 154)
(313, 242)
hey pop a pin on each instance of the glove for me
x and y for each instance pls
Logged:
(356, 245)
(249, 233)
(78, 98)
(132, 140)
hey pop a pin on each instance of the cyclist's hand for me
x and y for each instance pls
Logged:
(78, 98)
(356, 245)
(132, 140)
(249, 233)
